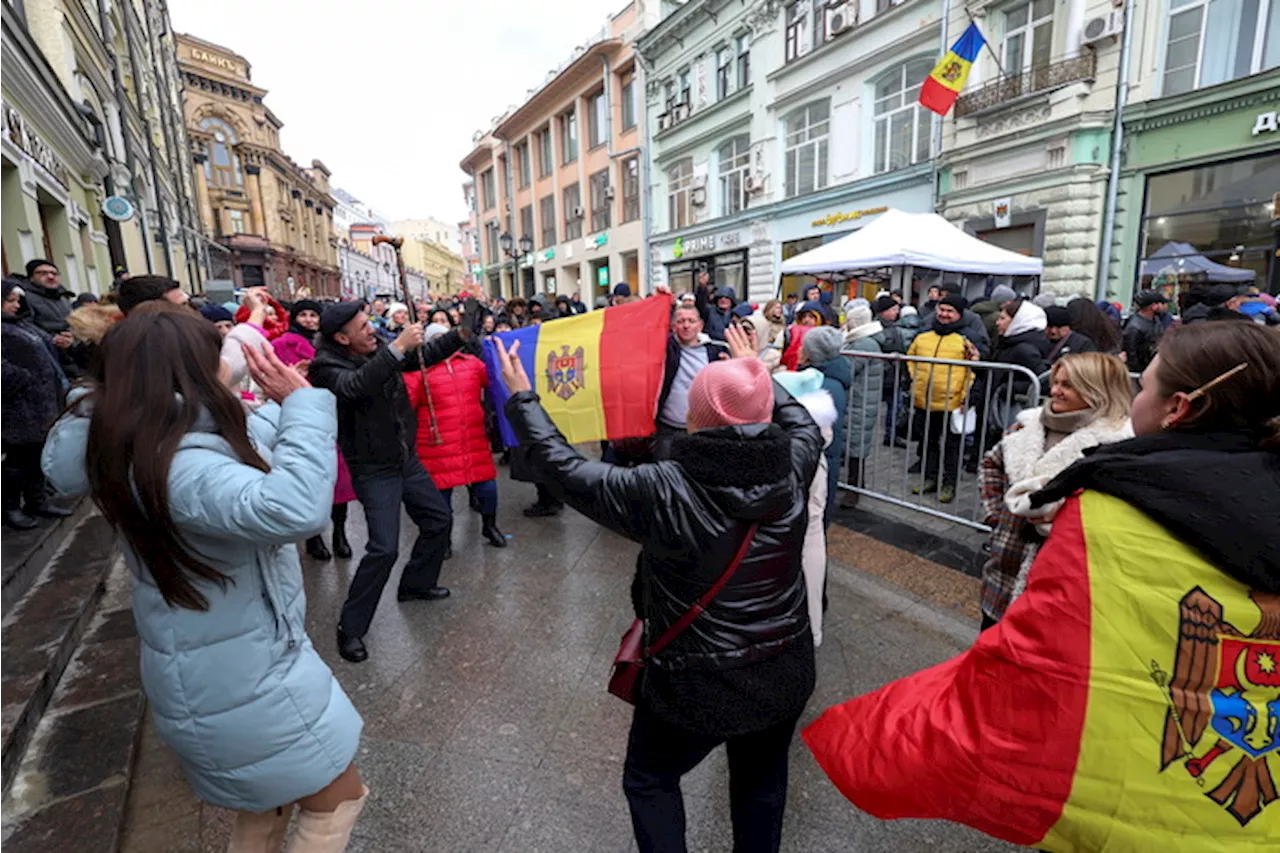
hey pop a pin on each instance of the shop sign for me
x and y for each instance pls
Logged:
(1266, 123)
(602, 276)
(846, 216)
(17, 131)
(693, 246)
(547, 255)
(602, 239)
(216, 61)
(117, 208)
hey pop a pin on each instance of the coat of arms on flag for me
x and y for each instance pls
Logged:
(1229, 682)
(566, 373)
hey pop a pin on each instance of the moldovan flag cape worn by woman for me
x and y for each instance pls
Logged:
(1128, 701)
(598, 375)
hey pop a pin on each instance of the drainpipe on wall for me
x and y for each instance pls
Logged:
(104, 23)
(126, 11)
(1117, 142)
(646, 215)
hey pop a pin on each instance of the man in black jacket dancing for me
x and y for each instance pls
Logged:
(376, 430)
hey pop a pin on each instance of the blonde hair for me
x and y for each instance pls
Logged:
(1101, 380)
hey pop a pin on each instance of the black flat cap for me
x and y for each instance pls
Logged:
(338, 315)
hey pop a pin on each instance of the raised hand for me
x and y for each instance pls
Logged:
(513, 375)
(739, 344)
(276, 379)
(410, 339)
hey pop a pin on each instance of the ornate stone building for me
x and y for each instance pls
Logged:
(272, 217)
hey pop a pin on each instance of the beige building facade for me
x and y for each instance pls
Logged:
(563, 169)
(93, 153)
(271, 217)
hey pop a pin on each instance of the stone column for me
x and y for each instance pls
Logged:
(202, 195)
(253, 185)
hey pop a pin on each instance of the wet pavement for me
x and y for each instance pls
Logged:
(487, 723)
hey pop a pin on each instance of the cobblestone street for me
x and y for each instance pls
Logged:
(487, 725)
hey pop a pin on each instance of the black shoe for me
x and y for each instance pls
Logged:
(351, 648)
(505, 458)
(489, 530)
(19, 520)
(47, 510)
(436, 593)
(543, 510)
(316, 549)
(341, 547)
(915, 467)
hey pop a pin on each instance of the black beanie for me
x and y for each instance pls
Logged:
(306, 305)
(143, 288)
(884, 303)
(956, 301)
(1057, 316)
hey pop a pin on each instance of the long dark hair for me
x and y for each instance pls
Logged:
(157, 371)
(1088, 319)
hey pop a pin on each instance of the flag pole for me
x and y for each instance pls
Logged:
(936, 124)
(986, 43)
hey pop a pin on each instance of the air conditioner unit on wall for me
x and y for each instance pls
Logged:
(664, 121)
(753, 183)
(681, 112)
(840, 18)
(699, 196)
(1102, 27)
(578, 213)
(608, 192)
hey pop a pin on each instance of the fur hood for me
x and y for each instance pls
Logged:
(90, 322)
(1029, 466)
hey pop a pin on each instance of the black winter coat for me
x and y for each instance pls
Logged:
(33, 383)
(1073, 344)
(49, 307)
(747, 662)
(377, 426)
(1029, 349)
(715, 320)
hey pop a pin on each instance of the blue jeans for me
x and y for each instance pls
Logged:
(484, 493)
(381, 496)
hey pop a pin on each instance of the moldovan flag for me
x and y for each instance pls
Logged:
(598, 374)
(1127, 701)
(946, 80)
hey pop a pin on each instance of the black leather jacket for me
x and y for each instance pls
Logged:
(747, 662)
(376, 423)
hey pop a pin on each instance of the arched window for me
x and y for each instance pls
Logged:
(902, 126)
(679, 194)
(222, 168)
(735, 160)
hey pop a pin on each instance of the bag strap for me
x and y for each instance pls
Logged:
(699, 606)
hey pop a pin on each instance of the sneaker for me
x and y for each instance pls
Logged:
(928, 487)
(947, 493)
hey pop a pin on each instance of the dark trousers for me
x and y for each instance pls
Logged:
(23, 479)
(381, 496)
(484, 493)
(939, 447)
(659, 753)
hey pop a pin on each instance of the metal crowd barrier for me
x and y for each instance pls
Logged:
(880, 467)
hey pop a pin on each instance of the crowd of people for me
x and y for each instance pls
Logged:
(204, 436)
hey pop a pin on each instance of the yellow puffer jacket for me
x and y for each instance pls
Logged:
(949, 383)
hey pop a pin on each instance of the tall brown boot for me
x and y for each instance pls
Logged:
(326, 832)
(260, 833)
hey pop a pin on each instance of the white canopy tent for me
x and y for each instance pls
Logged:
(899, 239)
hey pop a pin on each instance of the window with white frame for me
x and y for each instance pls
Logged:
(735, 162)
(629, 104)
(742, 45)
(724, 72)
(680, 194)
(596, 124)
(683, 90)
(807, 132)
(1028, 35)
(1213, 41)
(902, 126)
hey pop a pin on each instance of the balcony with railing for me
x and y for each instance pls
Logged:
(1015, 87)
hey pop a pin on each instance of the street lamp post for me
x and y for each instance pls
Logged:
(509, 245)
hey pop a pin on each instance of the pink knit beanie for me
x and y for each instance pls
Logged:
(737, 391)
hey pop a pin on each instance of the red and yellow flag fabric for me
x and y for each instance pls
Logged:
(946, 81)
(1129, 700)
(598, 374)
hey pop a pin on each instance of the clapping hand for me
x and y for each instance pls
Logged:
(739, 344)
(276, 379)
(513, 374)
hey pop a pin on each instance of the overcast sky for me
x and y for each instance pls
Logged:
(388, 92)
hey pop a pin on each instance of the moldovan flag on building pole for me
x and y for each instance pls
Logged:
(946, 80)
(1127, 701)
(598, 374)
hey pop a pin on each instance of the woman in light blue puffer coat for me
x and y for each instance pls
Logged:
(208, 503)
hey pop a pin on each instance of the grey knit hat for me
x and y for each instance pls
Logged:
(822, 344)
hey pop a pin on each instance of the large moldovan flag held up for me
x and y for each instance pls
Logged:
(598, 374)
(947, 79)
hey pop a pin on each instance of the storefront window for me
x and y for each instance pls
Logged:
(728, 269)
(1205, 225)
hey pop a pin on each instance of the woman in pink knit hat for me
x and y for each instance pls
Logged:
(741, 673)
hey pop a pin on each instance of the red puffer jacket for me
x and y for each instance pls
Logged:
(462, 455)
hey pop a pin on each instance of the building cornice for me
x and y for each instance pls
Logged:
(564, 85)
(672, 30)
(1258, 90)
